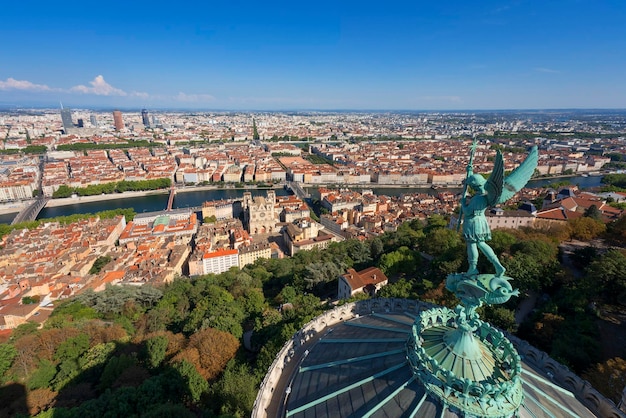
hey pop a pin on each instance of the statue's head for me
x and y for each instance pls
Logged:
(476, 182)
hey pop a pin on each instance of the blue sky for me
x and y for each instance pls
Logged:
(418, 55)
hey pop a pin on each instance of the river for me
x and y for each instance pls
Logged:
(196, 198)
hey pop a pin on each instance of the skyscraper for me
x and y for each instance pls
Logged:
(145, 118)
(117, 120)
(93, 120)
(66, 118)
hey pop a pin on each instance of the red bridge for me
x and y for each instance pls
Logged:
(170, 202)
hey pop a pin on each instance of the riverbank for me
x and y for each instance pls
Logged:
(53, 203)
(65, 201)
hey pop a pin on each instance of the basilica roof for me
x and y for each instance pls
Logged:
(359, 368)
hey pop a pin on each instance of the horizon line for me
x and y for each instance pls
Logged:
(11, 106)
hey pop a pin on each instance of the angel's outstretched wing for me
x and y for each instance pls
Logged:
(496, 183)
(520, 176)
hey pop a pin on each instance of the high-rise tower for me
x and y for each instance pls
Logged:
(117, 120)
(145, 118)
(66, 118)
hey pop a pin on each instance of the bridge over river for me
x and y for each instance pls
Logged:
(297, 189)
(29, 213)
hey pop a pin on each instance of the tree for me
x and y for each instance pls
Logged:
(407, 236)
(606, 275)
(24, 360)
(29, 300)
(113, 299)
(114, 368)
(27, 328)
(532, 263)
(96, 356)
(43, 375)
(435, 222)
(499, 316)
(236, 390)
(594, 213)
(63, 191)
(617, 231)
(39, 400)
(99, 264)
(322, 272)
(209, 350)
(543, 331)
(401, 289)
(156, 347)
(585, 228)
(501, 241)
(72, 348)
(376, 248)
(70, 311)
(439, 240)
(609, 378)
(196, 385)
(403, 260)
(287, 295)
(163, 410)
(7, 354)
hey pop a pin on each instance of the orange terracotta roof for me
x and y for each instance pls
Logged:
(358, 280)
(113, 275)
(221, 252)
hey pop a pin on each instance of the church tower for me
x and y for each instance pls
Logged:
(259, 213)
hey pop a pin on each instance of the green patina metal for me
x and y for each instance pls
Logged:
(466, 363)
(342, 390)
(388, 398)
(350, 360)
(361, 340)
(462, 361)
(418, 406)
(392, 319)
(377, 327)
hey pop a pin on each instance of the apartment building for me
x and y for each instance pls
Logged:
(219, 261)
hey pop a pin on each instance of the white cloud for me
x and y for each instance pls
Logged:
(99, 87)
(193, 98)
(13, 84)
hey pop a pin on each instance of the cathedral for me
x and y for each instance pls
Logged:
(260, 213)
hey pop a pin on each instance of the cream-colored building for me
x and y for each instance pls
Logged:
(248, 254)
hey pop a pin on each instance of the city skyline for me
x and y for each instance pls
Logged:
(356, 56)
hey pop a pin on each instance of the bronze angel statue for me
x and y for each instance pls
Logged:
(490, 192)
